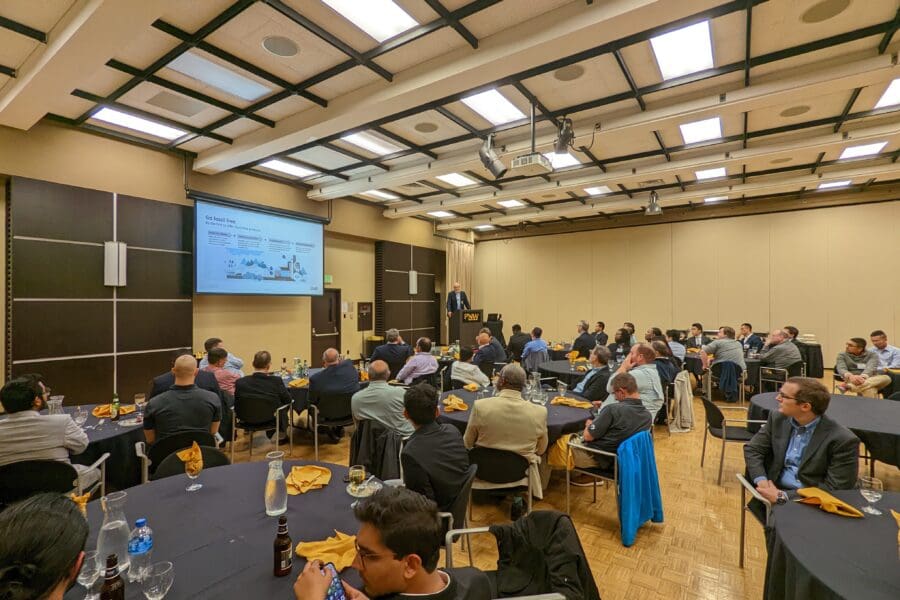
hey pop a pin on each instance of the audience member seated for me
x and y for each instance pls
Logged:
(888, 356)
(536, 344)
(263, 387)
(666, 366)
(517, 342)
(749, 340)
(673, 339)
(397, 550)
(184, 407)
(601, 338)
(585, 342)
(778, 352)
(337, 377)
(395, 352)
(508, 422)
(42, 542)
(232, 362)
(465, 371)
(593, 386)
(652, 334)
(499, 350)
(204, 380)
(621, 345)
(724, 349)
(858, 368)
(422, 362)
(630, 328)
(434, 458)
(615, 423)
(381, 402)
(640, 362)
(800, 446)
(224, 377)
(697, 339)
(792, 332)
(26, 434)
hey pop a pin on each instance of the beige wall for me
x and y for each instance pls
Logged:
(246, 323)
(828, 271)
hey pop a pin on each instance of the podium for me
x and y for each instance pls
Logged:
(464, 325)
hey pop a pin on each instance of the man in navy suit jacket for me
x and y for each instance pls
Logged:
(750, 340)
(457, 300)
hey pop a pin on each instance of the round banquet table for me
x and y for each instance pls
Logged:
(562, 371)
(560, 419)
(300, 395)
(815, 554)
(559, 354)
(219, 537)
(875, 422)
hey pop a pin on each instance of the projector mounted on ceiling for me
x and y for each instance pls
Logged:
(533, 163)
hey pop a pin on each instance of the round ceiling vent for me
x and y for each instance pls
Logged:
(425, 127)
(795, 111)
(824, 10)
(569, 73)
(280, 46)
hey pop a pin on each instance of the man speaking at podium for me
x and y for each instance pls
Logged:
(457, 300)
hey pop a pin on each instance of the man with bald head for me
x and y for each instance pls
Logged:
(457, 300)
(776, 353)
(381, 402)
(337, 377)
(184, 407)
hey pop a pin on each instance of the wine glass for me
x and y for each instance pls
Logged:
(80, 416)
(158, 578)
(89, 573)
(357, 476)
(870, 488)
(193, 473)
(140, 400)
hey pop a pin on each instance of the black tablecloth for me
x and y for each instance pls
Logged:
(220, 539)
(559, 354)
(300, 396)
(812, 358)
(815, 554)
(561, 369)
(560, 419)
(876, 422)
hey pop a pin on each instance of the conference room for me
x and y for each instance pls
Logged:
(468, 298)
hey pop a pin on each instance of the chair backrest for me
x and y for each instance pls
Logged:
(461, 503)
(28, 477)
(797, 369)
(254, 410)
(773, 374)
(498, 466)
(714, 416)
(498, 366)
(432, 379)
(376, 447)
(456, 384)
(716, 369)
(534, 360)
(163, 447)
(334, 407)
(395, 366)
(487, 367)
(172, 465)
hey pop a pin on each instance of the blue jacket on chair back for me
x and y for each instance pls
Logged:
(639, 496)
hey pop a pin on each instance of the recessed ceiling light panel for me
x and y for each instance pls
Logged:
(710, 173)
(701, 131)
(380, 195)
(456, 179)
(598, 190)
(372, 143)
(381, 19)
(834, 184)
(128, 121)
(683, 51)
(510, 203)
(891, 95)
(863, 150)
(217, 76)
(561, 161)
(712, 199)
(288, 168)
(484, 227)
(493, 106)
(440, 214)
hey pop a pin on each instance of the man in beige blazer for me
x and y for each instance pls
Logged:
(509, 422)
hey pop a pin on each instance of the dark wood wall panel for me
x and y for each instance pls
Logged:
(158, 275)
(393, 262)
(396, 256)
(52, 329)
(153, 325)
(422, 314)
(81, 381)
(413, 335)
(427, 260)
(151, 224)
(135, 371)
(48, 270)
(397, 314)
(64, 212)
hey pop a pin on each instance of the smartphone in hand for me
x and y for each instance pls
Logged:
(336, 589)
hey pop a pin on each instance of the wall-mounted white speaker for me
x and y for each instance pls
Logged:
(413, 283)
(115, 264)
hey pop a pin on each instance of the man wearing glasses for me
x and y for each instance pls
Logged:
(801, 446)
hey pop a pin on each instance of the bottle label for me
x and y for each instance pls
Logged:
(287, 559)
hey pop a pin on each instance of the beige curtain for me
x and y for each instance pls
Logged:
(460, 265)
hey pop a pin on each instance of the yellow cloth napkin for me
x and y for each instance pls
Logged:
(363, 376)
(581, 368)
(573, 355)
(81, 501)
(897, 518)
(571, 402)
(471, 387)
(453, 402)
(558, 347)
(307, 477)
(827, 502)
(192, 458)
(299, 383)
(559, 456)
(104, 410)
(339, 549)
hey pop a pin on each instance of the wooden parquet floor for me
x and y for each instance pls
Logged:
(692, 555)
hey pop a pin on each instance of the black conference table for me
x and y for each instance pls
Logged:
(815, 554)
(219, 537)
(875, 421)
(562, 370)
(560, 419)
(559, 354)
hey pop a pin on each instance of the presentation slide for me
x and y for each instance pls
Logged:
(246, 251)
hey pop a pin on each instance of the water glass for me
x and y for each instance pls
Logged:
(80, 415)
(54, 405)
(140, 401)
(871, 489)
(158, 578)
(89, 573)
(357, 476)
(192, 474)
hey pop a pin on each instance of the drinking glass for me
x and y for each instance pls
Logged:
(871, 488)
(89, 573)
(140, 401)
(158, 578)
(193, 474)
(357, 476)
(80, 416)
(54, 405)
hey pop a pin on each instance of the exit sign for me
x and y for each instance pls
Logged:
(329, 279)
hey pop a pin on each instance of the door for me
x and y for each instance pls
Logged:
(326, 324)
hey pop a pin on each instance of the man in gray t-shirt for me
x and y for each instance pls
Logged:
(184, 407)
(724, 348)
(778, 352)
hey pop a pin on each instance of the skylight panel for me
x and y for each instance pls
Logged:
(561, 161)
(381, 19)
(863, 150)
(441, 214)
(710, 173)
(484, 227)
(701, 131)
(138, 124)
(288, 168)
(380, 195)
(217, 76)
(598, 190)
(712, 199)
(683, 51)
(493, 106)
(510, 203)
(834, 184)
(456, 179)
(373, 144)
(891, 95)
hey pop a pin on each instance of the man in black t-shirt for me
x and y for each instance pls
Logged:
(184, 407)
(517, 342)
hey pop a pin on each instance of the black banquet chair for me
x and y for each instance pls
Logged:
(28, 477)
(719, 427)
(172, 465)
(328, 410)
(153, 455)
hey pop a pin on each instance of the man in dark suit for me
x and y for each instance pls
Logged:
(434, 458)
(600, 334)
(800, 446)
(457, 300)
(697, 339)
(585, 342)
(264, 388)
(593, 386)
(395, 352)
(517, 342)
(338, 377)
(750, 340)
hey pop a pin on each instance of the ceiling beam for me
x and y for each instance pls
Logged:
(22, 29)
(440, 9)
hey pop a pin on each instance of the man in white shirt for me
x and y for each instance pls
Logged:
(888, 356)
(232, 362)
(463, 370)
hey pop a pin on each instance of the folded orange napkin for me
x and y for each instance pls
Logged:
(897, 518)
(363, 376)
(571, 402)
(103, 411)
(299, 383)
(471, 387)
(827, 502)
(307, 477)
(192, 458)
(573, 355)
(81, 501)
(453, 402)
(558, 454)
(581, 368)
(558, 347)
(339, 549)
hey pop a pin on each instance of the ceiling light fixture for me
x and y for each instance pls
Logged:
(440, 214)
(712, 199)
(494, 106)
(701, 131)
(834, 184)
(286, 167)
(565, 136)
(484, 227)
(373, 144)
(710, 173)
(138, 124)
(598, 190)
(510, 203)
(380, 195)
(381, 19)
(561, 161)
(653, 208)
(217, 76)
(863, 150)
(683, 51)
(490, 159)
(891, 95)
(456, 179)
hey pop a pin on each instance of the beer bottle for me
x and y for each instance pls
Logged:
(113, 586)
(114, 408)
(284, 554)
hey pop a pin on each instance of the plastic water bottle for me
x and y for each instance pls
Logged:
(140, 549)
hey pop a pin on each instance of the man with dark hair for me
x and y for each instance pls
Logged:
(585, 342)
(593, 386)
(601, 337)
(673, 339)
(26, 434)
(232, 362)
(381, 402)
(697, 339)
(422, 362)
(42, 542)
(724, 349)
(397, 550)
(204, 380)
(463, 370)
(394, 352)
(434, 458)
(224, 377)
(536, 344)
(801, 446)
(748, 339)
(792, 331)
(629, 326)
(517, 342)
(858, 368)
(652, 334)
(184, 407)
(263, 387)
(640, 363)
